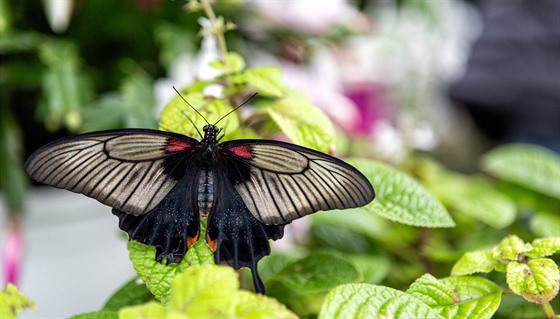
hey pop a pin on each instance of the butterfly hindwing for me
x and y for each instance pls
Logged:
(237, 238)
(172, 226)
(131, 170)
(284, 182)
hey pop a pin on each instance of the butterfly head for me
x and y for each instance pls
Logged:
(210, 132)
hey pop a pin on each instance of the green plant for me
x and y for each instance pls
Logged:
(392, 258)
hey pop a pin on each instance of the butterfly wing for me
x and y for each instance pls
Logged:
(280, 182)
(131, 170)
(237, 238)
(172, 226)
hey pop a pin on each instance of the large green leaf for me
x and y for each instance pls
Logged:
(317, 272)
(458, 297)
(209, 291)
(158, 276)
(132, 293)
(302, 122)
(371, 301)
(401, 198)
(531, 166)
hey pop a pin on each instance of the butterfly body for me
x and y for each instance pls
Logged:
(159, 184)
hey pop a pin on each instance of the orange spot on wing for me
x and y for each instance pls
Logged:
(212, 243)
(192, 240)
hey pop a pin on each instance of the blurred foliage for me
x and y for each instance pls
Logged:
(101, 73)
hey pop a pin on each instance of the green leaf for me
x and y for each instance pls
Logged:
(196, 290)
(150, 310)
(209, 291)
(65, 90)
(267, 81)
(370, 301)
(510, 248)
(158, 276)
(401, 198)
(13, 181)
(544, 224)
(138, 97)
(12, 301)
(374, 268)
(475, 197)
(318, 272)
(528, 165)
(360, 221)
(302, 122)
(132, 293)
(536, 281)
(543, 247)
(466, 195)
(177, 115)
(472, 262)
(103, 314)
(250, 305)
(234, 63)
(458, 297)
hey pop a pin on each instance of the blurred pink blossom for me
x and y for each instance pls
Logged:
(12, 251)
(307, 16)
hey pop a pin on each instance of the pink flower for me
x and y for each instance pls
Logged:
(12, 251)
(308, 16)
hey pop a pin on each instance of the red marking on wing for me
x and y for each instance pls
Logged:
(176, 146)
(242, 151)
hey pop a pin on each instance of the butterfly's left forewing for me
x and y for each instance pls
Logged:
(284, 182)
(131, 170)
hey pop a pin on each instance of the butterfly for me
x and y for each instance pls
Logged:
(160, 183)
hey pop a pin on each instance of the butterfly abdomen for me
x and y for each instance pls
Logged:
(205, 197)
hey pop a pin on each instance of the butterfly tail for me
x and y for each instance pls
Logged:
(237, 238)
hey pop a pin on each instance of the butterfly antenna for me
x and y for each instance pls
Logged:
(197, 112)
(192, 107)
(235, 109)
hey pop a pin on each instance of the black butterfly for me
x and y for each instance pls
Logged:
(160, 183)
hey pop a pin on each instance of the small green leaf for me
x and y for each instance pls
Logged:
(536, 281)
(249, 305)
(177, 115)
(234, 63)
(475, 261)
(318, 272)
(532, 166)
(196, 290)
(132, 293)
(302, 122)
(543, 247)
(458, 297)
(12, 301)
(267, 81)
(103, 314)
(401, 198)
(150, 310)
(545, 224)
(139, 100)
(370, 301)
(158, 276)
(510, 248)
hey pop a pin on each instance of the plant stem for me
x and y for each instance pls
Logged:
(218, 31)
(548, 310)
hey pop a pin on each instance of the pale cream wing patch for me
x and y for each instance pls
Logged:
(288, 182)
(123, 169)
